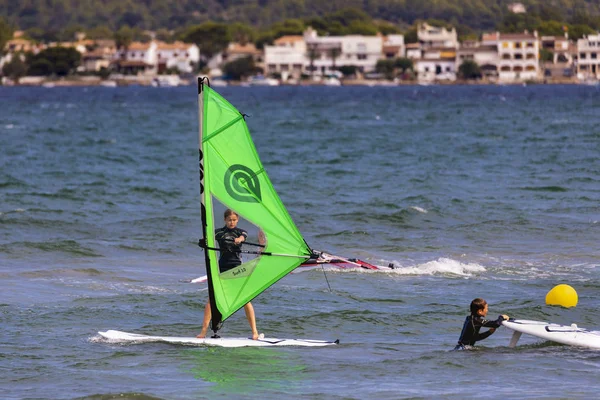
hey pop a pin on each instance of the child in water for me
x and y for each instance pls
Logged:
(474, 322)
(230, 239)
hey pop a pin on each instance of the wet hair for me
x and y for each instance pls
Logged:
(229, 212)
(477, 304)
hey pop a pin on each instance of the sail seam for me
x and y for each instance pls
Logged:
(221, 129)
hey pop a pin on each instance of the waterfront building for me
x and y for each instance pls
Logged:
(413, 51)
(564, 53)
(518, 55)
(82, 46)
(325, 53)
(393, 46)
(484, 55)
(286, 57)
(137, 59)
(182, 56)
(100, 56)
(588, 64)
(434, 56)
(560, 48)
(436, 64)
(293, 56)
(156, 57)
(18, 44)
(236, 51)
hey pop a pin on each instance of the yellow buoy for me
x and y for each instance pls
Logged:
(562, 295)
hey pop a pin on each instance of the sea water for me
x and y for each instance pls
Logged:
(468, 191)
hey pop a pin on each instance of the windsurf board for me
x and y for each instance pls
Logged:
(113, 336)
(326, 260)
(566, 334)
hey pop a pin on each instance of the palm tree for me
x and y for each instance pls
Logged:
(312, 53)
(334, 53)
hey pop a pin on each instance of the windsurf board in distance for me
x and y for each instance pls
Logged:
(566, 334)
(113, 336)
(324, 260)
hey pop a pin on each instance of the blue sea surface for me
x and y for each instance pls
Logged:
(468, 191)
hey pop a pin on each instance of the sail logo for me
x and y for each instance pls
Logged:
(242, 184)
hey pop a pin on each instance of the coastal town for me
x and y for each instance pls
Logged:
(436, 57)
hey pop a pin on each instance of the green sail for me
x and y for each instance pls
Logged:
(232, 174)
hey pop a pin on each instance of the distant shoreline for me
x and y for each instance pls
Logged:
(147, 81)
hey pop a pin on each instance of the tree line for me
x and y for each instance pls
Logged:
(545, 18)
(468, 16)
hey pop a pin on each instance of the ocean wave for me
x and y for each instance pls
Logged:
(63, 246)
(16, 210)
(63, 272)
(160, 193)
(11, 182)
(96, 141)
(62, 194)
(545, 188)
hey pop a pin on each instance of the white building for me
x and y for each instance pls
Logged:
(287, 57)
(434, 56)
(486, 56)
(518, 55)
(559, 46)
(294, 55)
(183, 56)
(431, 36)
(234, 51)
(517, 8)
(16, 45)
(436, 64)
(358, 51)
(393, 46)
(138, 58)
(101, 55)
(155, 57)
(588, 51)
(413, 51)
(19, 44)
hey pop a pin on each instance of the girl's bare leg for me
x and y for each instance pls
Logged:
(251, 320)
(205, 321)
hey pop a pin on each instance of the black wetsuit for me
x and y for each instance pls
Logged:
(230, 255)
(470, 331)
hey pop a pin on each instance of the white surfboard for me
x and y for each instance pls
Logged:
(126, 337)
(566, 334)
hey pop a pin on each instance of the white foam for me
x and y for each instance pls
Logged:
(16, 210)
(419, 209)
(443, 266)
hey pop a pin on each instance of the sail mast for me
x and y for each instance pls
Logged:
(216, 315)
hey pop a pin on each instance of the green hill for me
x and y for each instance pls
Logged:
(55, 15)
